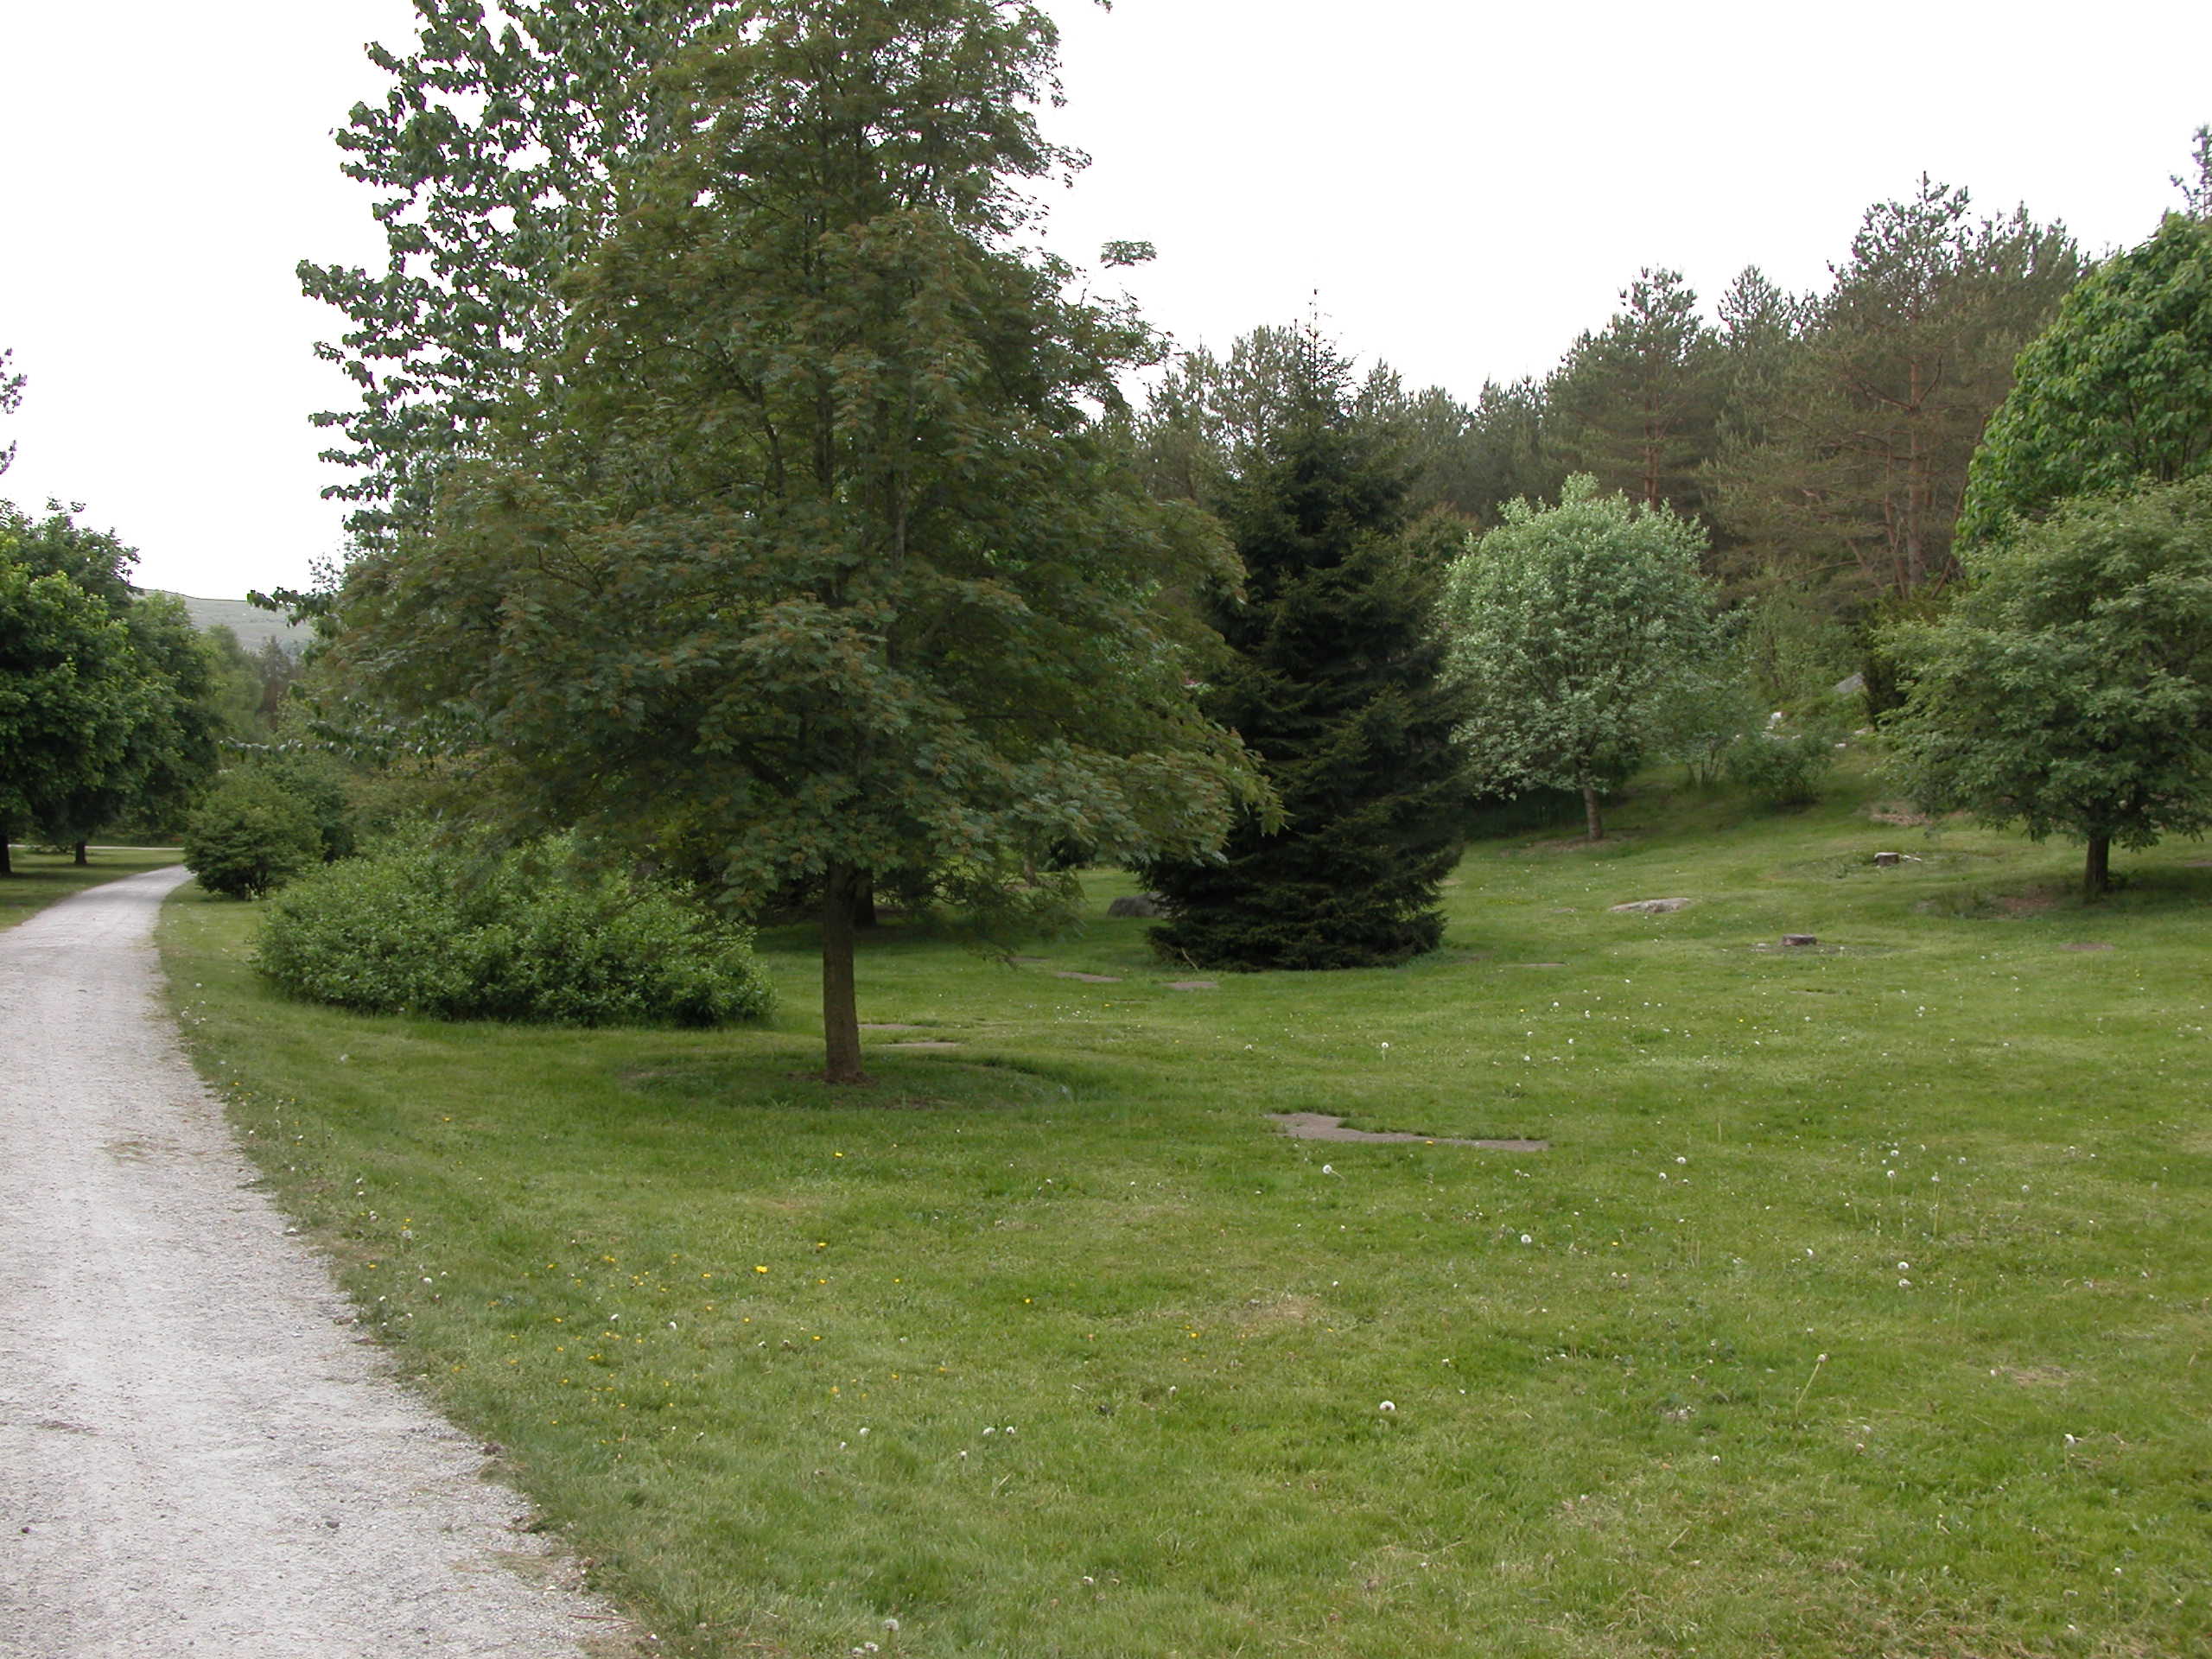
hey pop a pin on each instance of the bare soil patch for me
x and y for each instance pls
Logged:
(1316, 1126)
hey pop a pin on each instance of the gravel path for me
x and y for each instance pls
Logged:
(197, 1455)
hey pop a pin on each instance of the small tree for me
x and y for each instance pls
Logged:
(250, 836)
(2069, 689)
(1331, 681)
(1572, 630)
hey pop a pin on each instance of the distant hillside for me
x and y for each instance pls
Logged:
(253, 626)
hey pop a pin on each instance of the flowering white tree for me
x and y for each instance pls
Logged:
(1571, 629)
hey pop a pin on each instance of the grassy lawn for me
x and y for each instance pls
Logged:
(1859, 1306)
(40, 878)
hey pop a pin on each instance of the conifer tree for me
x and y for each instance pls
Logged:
(1331, 678)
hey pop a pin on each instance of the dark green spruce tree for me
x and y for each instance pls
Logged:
(1331, 678)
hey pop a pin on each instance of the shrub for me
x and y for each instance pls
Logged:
(318, 783)
(529, 935)
(1782, 768)
(249, 837)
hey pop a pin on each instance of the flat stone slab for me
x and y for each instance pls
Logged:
(865, 1026)
(1193, 984)
(1650, 907)
(1315, 1126)
(1091, 979)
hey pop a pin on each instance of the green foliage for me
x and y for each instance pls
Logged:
(2069, 688)
(1637, 401)
(70, 691)
(1793, 651)
(2117, 391)
(318, 782)
(496, 155)
(857, 586)
(1331, 680)
(1573, 630)
(149, 744)
(1846, 463)
(529, 935)
(250, 836)
(1783, 768)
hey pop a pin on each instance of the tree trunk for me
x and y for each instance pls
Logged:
(6, 869)
(1596, 825)
(2096, 875)
(81, 859)
(840, 1021)
(864, 901)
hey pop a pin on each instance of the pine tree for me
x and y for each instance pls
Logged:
(1332, 680)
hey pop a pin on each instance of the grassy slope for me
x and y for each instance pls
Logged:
(253, 626)
(1050, 1346)
(42, 878)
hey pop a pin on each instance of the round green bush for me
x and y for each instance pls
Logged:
(1785, 769)
(250, 836)
(529, 935)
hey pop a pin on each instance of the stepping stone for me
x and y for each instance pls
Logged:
(1650, 907)
(1799, 940)
(865, 1026)
(1315, 1126)
(2085, 947)
(1193, 984)
(1091, 979)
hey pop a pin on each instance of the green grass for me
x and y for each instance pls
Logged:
(1049, 1346)
(42, 878)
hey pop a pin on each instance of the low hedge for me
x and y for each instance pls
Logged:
(532, 934)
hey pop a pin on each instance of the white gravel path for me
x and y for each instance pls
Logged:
(198, 1456)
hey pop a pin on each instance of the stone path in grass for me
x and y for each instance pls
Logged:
(198, 1454)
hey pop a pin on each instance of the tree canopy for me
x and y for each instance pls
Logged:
(799, 555)
(111, 693)
(2117, 391)
(1570, 628)
(2069, 690)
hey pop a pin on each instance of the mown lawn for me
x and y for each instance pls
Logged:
(42, 878)
(1859, 1306)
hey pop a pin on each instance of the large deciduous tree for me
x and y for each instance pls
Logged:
(143, 689)
(1572, 630)
(2069, 690)
(1331, 678)
(800, 554)
(2117, 391)
(69, 693)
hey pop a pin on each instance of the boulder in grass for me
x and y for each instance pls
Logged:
(1145, 905)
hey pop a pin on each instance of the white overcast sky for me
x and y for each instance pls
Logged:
(1464, 186)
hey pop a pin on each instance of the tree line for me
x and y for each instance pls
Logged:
(736, 482)
(738, 486)
(115, 710)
